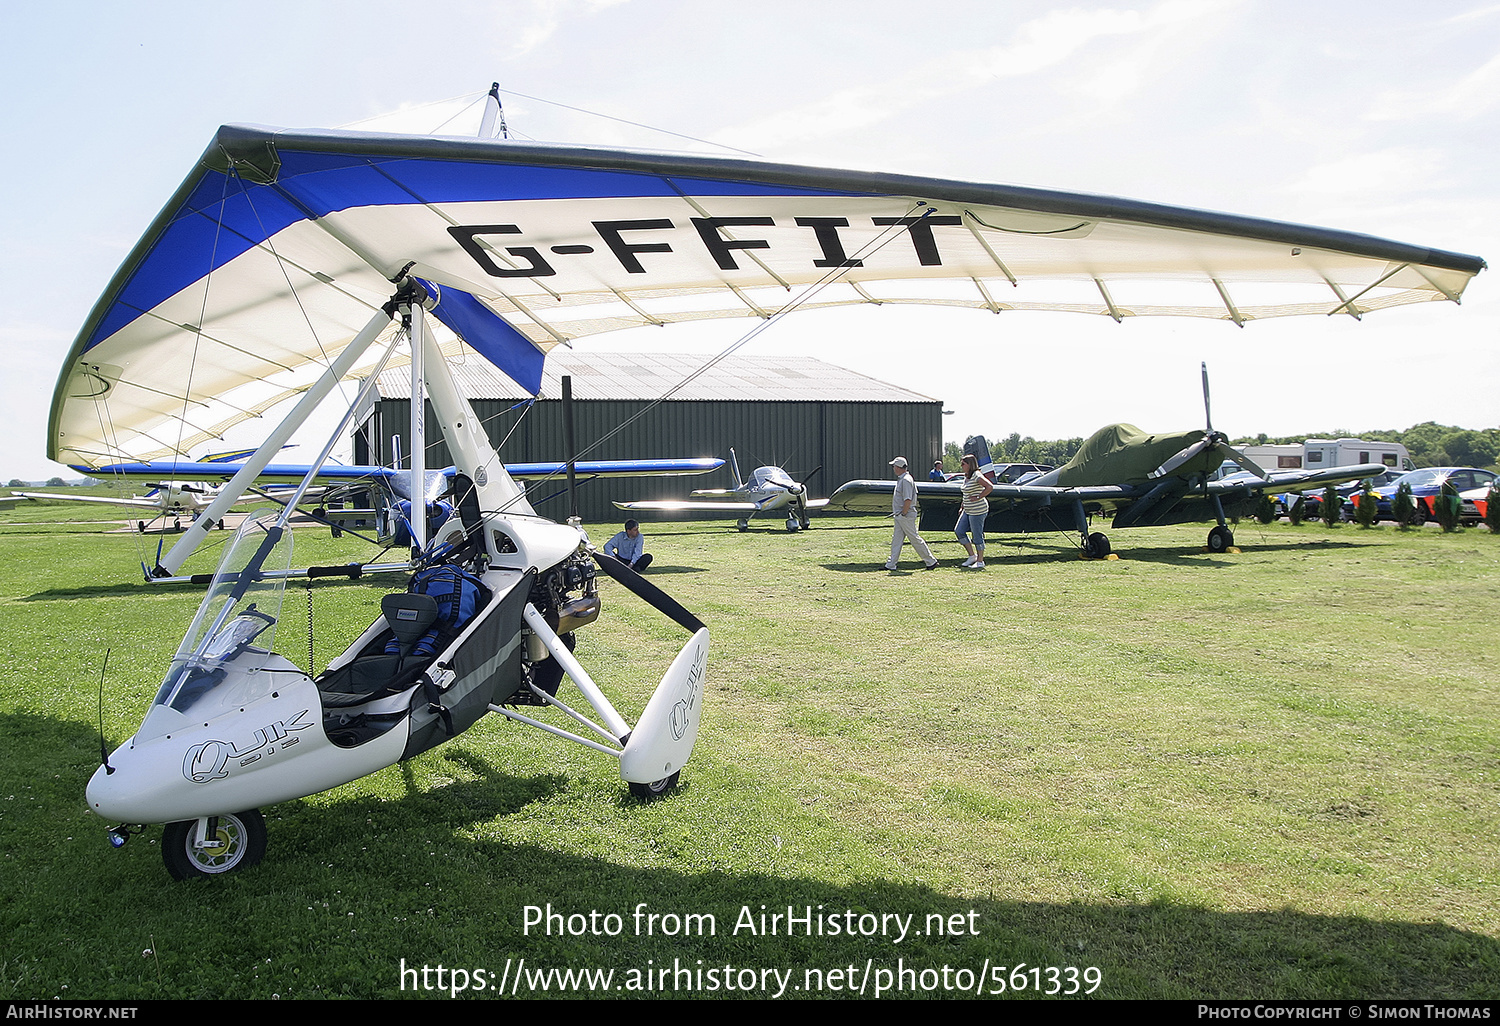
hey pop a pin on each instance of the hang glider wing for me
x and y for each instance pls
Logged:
(280, 245)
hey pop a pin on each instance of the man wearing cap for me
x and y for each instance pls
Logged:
(904, 510)
(936, 473)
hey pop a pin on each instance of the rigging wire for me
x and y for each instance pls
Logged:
(633, 124)
(876, 244)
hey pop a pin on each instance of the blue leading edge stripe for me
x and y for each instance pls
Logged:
(225, 215)
(490, 335)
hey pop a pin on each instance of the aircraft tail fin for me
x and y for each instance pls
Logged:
(977, 445)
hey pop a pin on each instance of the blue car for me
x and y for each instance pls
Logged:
(1425, 485)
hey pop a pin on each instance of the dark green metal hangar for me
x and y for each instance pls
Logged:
(794, 412)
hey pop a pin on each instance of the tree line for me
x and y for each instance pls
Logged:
(1430, 445)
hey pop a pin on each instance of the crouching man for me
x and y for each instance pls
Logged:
(629, 547)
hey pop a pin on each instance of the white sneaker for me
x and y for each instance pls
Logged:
(889, 567)
(968, 562)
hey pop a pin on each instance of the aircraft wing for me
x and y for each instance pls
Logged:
(707, 507)
(279, 246)
(1297, 480)
(104, 499)
(875, 496)
(616, 468)
(341, 474)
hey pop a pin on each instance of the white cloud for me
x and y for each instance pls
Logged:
(1036, 46)
(1397, 171)
(1470, 96)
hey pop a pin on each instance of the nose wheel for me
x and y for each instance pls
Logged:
(195, 848)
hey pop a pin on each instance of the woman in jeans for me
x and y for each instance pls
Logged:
(976, 506)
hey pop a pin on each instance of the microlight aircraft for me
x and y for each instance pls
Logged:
(1141, 479)
(767, 490)
(289, 261)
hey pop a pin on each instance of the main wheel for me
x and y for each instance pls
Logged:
(1096, 546)
(743, 525)
(240, 842)
(654, 790)
(1220, 539)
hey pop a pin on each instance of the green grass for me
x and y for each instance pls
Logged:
(1265, 774)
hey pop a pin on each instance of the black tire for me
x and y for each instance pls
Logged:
(1418, 514)
(655, 790)
(743, 525)
(1096, 546)
(242, 833)
(1220, 539)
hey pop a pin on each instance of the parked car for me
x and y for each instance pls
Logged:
(1312, 506)
(1425, 485)
(1475, 503)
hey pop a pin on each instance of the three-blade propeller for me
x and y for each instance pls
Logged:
(1211, 440)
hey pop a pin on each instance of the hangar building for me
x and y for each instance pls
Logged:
(795, 412)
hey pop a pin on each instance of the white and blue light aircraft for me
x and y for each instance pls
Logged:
(347, 492)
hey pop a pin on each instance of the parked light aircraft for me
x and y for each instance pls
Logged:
(348, 490)
(169, 497)
(172, 493)
(1140, 479)
(288, 262)
(768, 490)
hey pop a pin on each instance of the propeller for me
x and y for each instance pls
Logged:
(650, 593)
(1211, 440)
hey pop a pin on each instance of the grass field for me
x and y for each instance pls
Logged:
(1267, 774)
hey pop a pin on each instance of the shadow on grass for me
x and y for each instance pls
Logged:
(102, 590)
(449, 872)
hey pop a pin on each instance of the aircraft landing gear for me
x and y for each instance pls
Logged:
(1220, 539)
(1096, 546)
(792, 524)
(743, 525)
(232, 842)
(654, 790)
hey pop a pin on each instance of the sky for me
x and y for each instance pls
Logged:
(1376, 117)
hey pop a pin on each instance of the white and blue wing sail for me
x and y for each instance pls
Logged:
(280, 245)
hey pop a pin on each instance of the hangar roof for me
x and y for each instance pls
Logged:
(646, 376)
